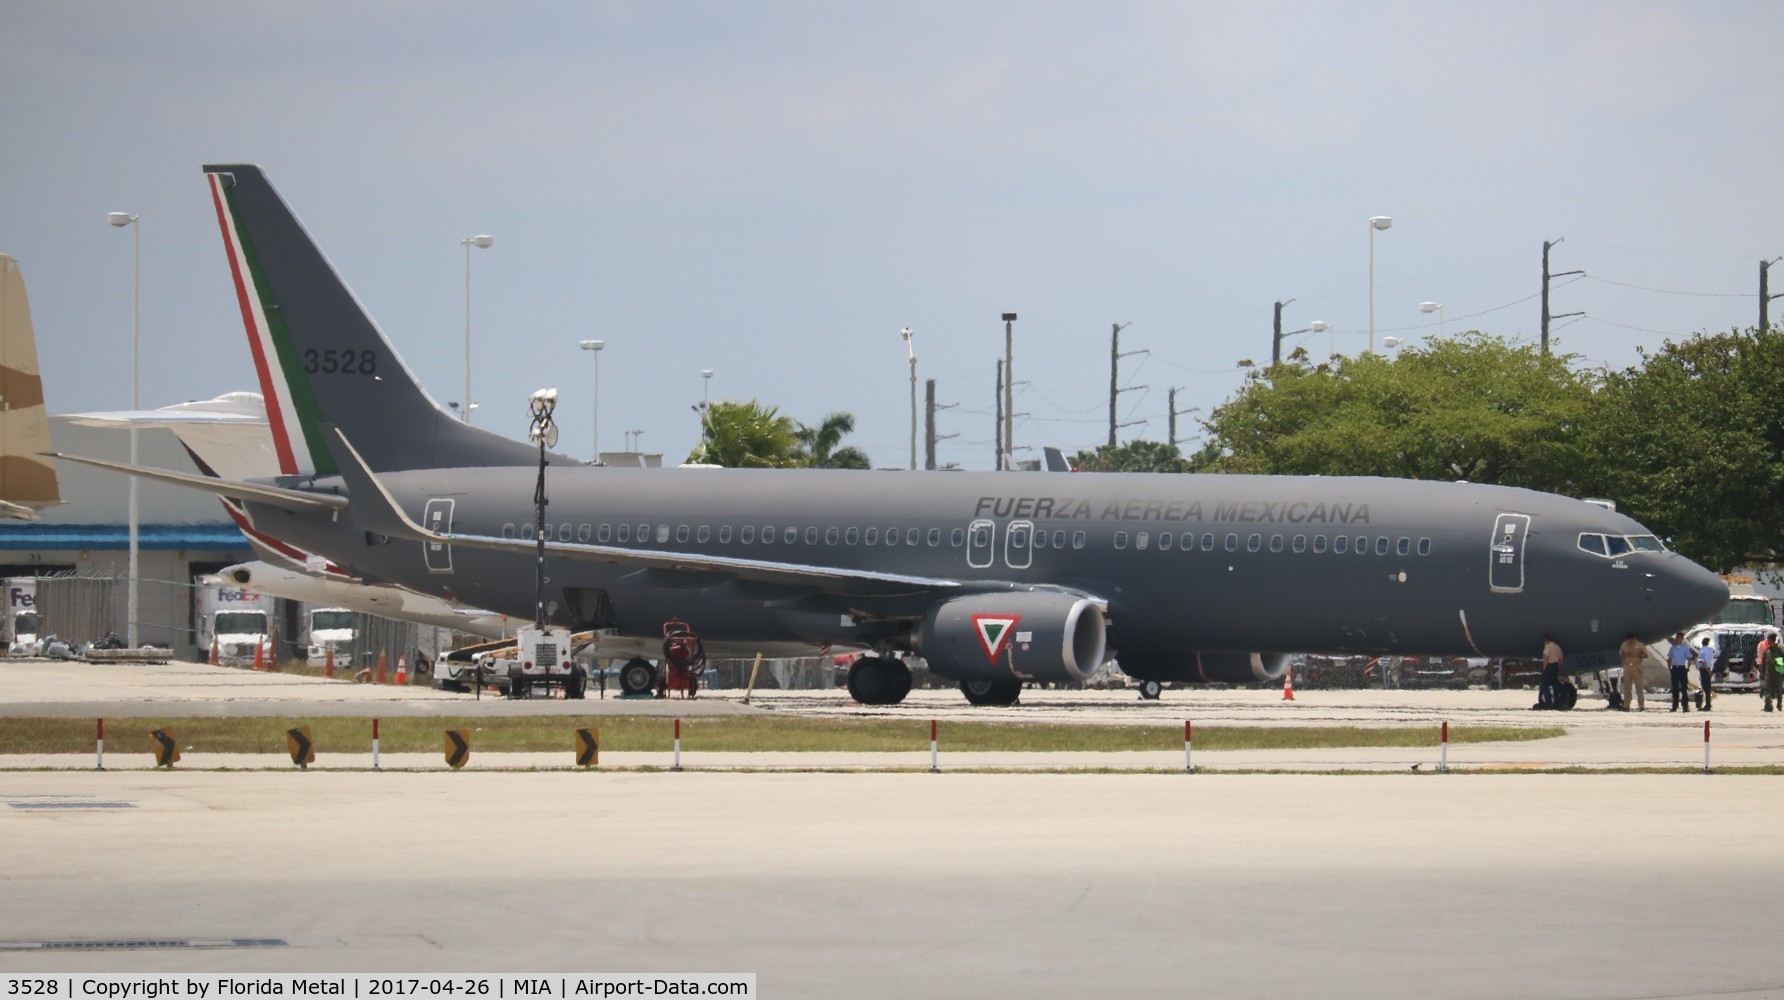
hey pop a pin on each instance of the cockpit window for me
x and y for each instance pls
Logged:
(1612, 546)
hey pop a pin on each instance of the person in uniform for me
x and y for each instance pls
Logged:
(1678, 661)
(1549, 695)
(1772, 674)
(1706, 666)
(1633, 652)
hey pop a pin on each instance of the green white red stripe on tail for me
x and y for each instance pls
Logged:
(291, 408)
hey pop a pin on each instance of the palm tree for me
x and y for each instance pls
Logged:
(747, 436)
(820, 444)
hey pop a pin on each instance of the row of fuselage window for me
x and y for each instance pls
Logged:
(1164, 541)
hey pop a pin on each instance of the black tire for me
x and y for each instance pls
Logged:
(1151, 690)
(876, 681)
(518, 685)
(992, 693)
(1565, 696)
(638, 676)
(576, 685)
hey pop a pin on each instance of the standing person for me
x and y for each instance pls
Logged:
(1706, 665)
(1549, 695)
(1772, 673)
(1678, 661)
(1632, 652)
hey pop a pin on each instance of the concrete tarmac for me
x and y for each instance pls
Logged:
(899, 885)
(1475, 884)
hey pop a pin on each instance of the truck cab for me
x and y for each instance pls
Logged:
(332, 629)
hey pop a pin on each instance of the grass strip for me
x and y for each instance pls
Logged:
(729, 734)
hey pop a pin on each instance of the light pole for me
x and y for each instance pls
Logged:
(1006, 461)
(1375, 222)
(1321, 326)
(482, 242)
(543, 432)
(1435, 307)
(912, 351)
(120, 220)
(705, 389)
(594, 347)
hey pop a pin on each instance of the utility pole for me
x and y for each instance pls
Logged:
(931, 437)
(1175, 413)
(1764, 292)
(999, 396)
(1546, 244)
(1007, 451)
(1276, 336)
(1115, 389)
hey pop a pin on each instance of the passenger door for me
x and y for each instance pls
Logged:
(1505, 572)
(437, 516)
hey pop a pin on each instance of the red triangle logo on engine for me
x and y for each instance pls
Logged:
(994, 633)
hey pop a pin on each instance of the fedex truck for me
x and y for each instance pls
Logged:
(21, 616)
(235, 618)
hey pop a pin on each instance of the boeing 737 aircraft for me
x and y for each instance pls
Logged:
(992, 578)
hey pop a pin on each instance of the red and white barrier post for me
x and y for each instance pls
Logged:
(1443, 760)
(677, 766)
(375, 766)
(1706, 746)
(934, 758)
(100, 744)
(1188, 765)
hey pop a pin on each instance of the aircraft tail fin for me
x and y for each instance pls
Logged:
(320, 356)
(27, 479)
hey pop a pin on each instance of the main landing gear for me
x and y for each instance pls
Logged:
(994, 693)
(874, 680)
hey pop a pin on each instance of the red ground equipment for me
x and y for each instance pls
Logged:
(684, 656)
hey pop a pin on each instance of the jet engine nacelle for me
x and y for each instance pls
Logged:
(1041, 635)
(1204, 668)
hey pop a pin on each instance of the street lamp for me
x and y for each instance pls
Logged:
(705, 389)
(543, 432)
(120, 220)
(912, 351)
(594, 347)
(1321, 326)
(1391, 342)
(1375, 222)
(1435, 307)
(483, 242)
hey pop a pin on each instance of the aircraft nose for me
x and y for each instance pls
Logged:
(1689, 593)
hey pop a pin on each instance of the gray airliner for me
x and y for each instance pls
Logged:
(993, 578)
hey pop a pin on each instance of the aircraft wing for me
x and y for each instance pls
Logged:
(380, 511)
(302, 501)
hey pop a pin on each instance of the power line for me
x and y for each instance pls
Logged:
(1668, 291)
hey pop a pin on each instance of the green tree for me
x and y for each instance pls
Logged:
(1695, 441)
(1474, 407)
(820, 444)
(747, 436)
(1134, 456)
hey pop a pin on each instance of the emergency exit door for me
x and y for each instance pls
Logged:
(1506, 571)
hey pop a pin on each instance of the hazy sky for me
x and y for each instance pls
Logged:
(771, 190)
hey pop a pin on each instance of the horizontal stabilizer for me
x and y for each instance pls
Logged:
(300, 501)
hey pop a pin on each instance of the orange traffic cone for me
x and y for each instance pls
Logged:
(328, 664)
(1288, 685)
(381, 661)
(215, 651)
(259, 664)
(402, 670)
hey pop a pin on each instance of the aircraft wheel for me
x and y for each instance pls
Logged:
(1150, 690)
(877, 681)
(991, 692)
(638, 676)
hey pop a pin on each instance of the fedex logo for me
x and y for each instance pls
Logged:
(21, 599)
